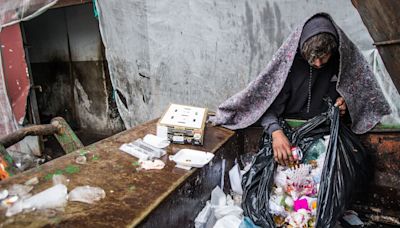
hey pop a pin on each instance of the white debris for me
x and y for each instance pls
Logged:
(87, 194)
(51, 198)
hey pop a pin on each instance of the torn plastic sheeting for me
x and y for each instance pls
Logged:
(235, 178)
(14, 11)
(385, 82)
(7, 120)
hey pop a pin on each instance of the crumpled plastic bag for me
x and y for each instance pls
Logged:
(20, 190)
(219, 212)
(86, 194)
(228, 221)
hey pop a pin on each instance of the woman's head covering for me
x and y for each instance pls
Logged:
(316, 25)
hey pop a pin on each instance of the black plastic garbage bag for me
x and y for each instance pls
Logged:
(345, 168)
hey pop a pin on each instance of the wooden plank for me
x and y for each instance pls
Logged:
(131, 195)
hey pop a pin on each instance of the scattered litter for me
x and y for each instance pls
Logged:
(9, 201)
(32, 181)
(153, 164)
(19, 190)
(191, 158)
(13, 207)
(228, 221)
(203, 216)
(25, 161)
(54, 197)
(81, 159)
(237, 198)
(3, 194)
(219, 212)
(223, 211)
(142, 150)
(51, 198)
(235, 178)
(60, 179)
(87, 194)
(156, 141)
(352, 218)
(218, 197)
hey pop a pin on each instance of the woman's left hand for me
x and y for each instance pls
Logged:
(342, 105)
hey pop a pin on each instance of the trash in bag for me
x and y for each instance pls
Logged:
(315, 193)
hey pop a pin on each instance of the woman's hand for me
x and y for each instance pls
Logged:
(281, 148)
(342, 105)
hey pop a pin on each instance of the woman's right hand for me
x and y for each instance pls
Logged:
(281, 148)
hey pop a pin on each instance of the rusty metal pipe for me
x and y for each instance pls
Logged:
(387, 42)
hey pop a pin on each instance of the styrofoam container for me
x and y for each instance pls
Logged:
(192, 158)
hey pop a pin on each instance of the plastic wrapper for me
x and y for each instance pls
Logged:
(51, 198)
(86, 194)
(344, 168)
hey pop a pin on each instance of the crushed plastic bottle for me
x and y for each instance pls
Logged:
(87, 194)
(51, 198)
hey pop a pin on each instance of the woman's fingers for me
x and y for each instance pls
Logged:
(281, 147)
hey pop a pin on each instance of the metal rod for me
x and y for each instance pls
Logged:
(387, 42)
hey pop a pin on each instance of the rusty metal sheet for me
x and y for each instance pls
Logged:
(15, 69)
(131, 195)
(382, 20)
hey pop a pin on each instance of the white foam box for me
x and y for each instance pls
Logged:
(183, 124)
